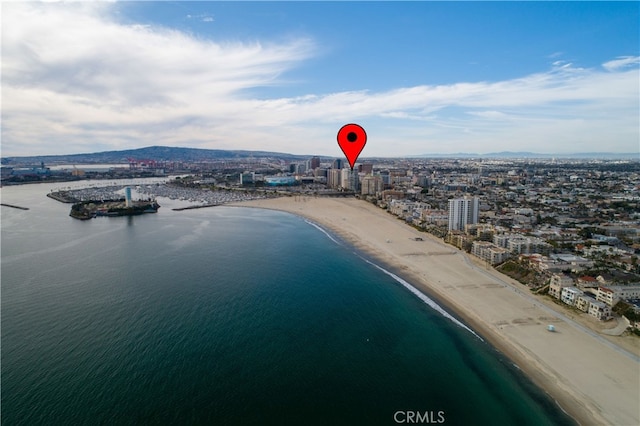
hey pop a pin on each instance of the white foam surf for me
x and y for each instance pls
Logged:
(323, 231)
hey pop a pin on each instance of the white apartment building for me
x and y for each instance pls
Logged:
(600, 310)
(435, 217)
(570, 295)
(528, 245)
(370, 185)
(612, 294)
(349, 179)
(575, 297)
(489, 252)
(559, 282)
(333, 178)
(502, 240)
(584, 302)
(463, 211)
(406, 208)
(519, 244)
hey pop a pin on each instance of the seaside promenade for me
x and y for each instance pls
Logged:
(591, 377)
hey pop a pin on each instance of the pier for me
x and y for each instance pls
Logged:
(198, 206)
(14, 207)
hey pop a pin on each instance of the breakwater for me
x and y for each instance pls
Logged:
(14, 206)
(199, 206)
(63, 197)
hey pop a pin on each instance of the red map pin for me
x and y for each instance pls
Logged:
(352, 138)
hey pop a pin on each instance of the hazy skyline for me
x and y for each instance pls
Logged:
(420, 77)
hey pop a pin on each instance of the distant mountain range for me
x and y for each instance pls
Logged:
(164, 153)
(156, 153)
(510, 154)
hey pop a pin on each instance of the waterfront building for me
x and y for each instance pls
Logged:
(279, 180)
(127, 196)
(612, 294)
(584, 302)
(463, 211)
(435, 217)
(570, 295)
(489, 252)
(558, 283)
(600, 310)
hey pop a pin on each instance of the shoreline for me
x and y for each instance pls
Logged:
(512, 336)
(513, 359)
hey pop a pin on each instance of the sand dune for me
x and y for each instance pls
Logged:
(593, 379)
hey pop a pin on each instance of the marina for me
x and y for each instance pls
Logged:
(98, 197)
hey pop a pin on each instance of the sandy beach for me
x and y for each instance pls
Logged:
(592, 378)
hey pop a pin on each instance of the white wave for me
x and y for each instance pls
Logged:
(323, 231)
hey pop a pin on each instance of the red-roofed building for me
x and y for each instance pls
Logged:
(587, 282)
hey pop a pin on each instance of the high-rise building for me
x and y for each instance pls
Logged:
(314, 163)
(385, 177)
(333, 178)
(247, 178)
(349, 179)
(371, 185)
(300, 169)
(337, 163)
(127, 196)
(463, 211)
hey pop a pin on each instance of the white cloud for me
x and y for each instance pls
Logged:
(496, 115)
(203, 17)
(74, 79)
(622, 62)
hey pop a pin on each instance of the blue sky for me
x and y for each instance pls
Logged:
(420, 77)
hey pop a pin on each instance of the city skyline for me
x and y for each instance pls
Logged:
(421, 78)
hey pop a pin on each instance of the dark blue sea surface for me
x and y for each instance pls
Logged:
(228, 316)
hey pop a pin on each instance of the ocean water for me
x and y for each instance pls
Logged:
(228, 316)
